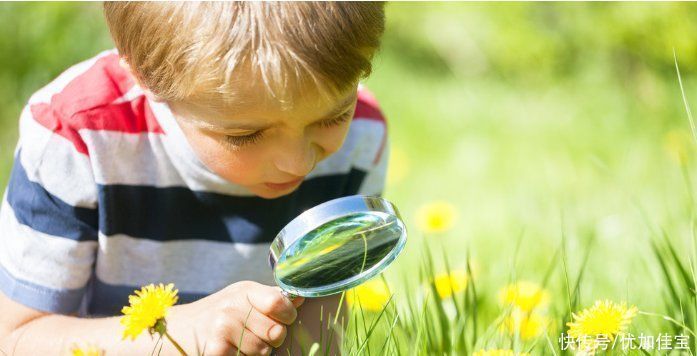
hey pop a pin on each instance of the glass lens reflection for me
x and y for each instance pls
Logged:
(339, 250)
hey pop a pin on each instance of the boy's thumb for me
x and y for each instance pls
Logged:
(297, 301)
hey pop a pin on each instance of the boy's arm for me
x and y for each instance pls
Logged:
(27, 331)
(245, 311)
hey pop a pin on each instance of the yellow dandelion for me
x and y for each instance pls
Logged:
(372, 295)
(149, 306)
(436, 217)
(449, 284)
(527, 326)
(604, 319)
(499, 352)
(88, 350)
(398, 165)
(525, 296)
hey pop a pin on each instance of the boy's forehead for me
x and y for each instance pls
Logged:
(257, 114)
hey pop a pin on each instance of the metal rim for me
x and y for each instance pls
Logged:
(321, 214)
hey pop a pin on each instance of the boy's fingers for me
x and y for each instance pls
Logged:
(252, 345)
(270, 302)
(221, 349)
(267, 329)
(238, 337)
(297, 301)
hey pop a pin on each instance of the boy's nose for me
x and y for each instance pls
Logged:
(298, 161)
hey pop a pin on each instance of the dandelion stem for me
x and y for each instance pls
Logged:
(176, 344)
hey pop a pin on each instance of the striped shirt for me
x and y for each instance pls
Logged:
(106, 195)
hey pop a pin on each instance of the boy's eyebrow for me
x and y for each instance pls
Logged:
(334, 112)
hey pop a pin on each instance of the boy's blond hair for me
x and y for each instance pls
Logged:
(204, 52)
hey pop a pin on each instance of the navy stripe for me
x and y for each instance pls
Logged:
(62, 301)
(34, 206)
(108, 299)
(177, 213)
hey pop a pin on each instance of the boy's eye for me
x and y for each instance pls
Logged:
(337, 120)
(238, 141)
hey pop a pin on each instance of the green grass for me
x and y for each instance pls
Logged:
(549, 127)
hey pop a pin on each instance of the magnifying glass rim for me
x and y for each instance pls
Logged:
(321, 214)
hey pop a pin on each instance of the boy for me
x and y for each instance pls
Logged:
(177, 159)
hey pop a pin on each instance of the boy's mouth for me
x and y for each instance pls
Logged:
(285, 185)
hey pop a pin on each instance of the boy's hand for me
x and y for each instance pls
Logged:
(219, 319)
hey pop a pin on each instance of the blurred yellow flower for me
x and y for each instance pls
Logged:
(372, 295)
(436, 217)
(605, 319)
(149, 306)
(398, 165)
(677, 145)
(525, 296)
(499, 352)
(88, 350)
(526, 325)
(449, 284)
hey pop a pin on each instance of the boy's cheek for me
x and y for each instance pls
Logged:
(332, 140)
(236, 167)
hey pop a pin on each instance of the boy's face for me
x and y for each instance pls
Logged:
(262, 147)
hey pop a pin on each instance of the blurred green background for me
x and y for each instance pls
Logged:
(533, 119)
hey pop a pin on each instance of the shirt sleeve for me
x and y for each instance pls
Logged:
(372, 153)
(48, 217)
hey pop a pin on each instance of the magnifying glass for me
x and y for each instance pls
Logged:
(336, 245)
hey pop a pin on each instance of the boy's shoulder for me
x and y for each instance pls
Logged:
(90, 84)
(96, 94)
(367, 107)
(369, 126)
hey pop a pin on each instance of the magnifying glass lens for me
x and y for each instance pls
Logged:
(340, 252)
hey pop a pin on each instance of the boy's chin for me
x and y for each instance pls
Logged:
(268, 193)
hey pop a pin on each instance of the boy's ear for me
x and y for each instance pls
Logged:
(150, 95)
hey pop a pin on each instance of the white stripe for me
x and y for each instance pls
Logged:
(142, 159)
(42, 259)
(33, 137)
(374, 182)
(196, 266)
(57, 85)
(363, 143)
(52, 161)
(130, 158)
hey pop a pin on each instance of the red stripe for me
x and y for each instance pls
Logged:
(44, 115)
(367, 107)
(87, 103)
(104, 82)
(127, 117)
